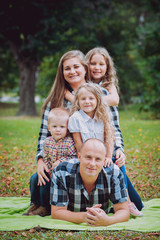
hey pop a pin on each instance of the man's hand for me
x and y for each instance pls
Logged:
(97, 217)
(41, 167)
(120, 158)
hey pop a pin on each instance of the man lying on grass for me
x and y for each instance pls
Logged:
(81, 190)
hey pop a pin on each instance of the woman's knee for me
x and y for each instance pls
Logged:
(34, 179)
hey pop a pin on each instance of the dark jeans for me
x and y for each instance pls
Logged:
(40, 195)
(134, 197)
(123, 169)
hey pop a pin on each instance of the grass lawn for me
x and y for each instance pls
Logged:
(18, 143)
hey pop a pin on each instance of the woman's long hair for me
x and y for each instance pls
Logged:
(110, 75)
(102, 111)
(56, 95)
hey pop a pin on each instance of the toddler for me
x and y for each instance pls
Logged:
(57, 148)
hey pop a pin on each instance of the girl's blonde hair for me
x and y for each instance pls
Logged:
(102, 111)
(110, 75)
(56, 95)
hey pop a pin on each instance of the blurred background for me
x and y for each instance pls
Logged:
(34, 34)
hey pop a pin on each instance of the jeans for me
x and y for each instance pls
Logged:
(40, 195)
(133, 195)
(123, 169)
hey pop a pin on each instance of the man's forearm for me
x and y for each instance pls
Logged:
(66, 215)
(119, 216)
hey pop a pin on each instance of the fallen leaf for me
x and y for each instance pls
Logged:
(98, 238)
(16, 233)
(24, 234)
(69, 234)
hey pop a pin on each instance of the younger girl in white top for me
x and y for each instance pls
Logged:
(90, 118)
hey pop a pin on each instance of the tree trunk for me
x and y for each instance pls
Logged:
(27, 69)
(27, 88)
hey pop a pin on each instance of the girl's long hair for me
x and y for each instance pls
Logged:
(56, 95)
(102, 111)
(110, 75)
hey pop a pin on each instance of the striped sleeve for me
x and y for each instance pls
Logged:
(43, 133)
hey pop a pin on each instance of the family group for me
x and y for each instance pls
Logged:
(81, 174)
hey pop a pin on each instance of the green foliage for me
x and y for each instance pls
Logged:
(130, 30)
(147, 58)
(8, 71)
(46, 74)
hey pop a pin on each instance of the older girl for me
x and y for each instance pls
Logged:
(101, 70)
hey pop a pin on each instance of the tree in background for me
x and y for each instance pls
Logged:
(40, 31)
(8, 71)
(31, 29)
(38, 28)
(147, 57)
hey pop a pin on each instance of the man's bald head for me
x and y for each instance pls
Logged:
(95, 143)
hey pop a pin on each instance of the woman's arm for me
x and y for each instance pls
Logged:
(41, 166)
(113, 98)
(46, 158)
(43, 133)
(118, 143)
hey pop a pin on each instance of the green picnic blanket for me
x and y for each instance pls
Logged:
(11, 219)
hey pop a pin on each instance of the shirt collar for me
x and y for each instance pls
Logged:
(84, 115)
(86, 118)
(59, 140)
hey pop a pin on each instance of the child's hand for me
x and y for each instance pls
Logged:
(55, 164)
(108, 162)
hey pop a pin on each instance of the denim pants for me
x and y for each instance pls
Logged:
(123, 169)
(40, 195)
(134, 197)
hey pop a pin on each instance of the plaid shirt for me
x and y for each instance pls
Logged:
(67, 188)
(118, 144)
(62, 150)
